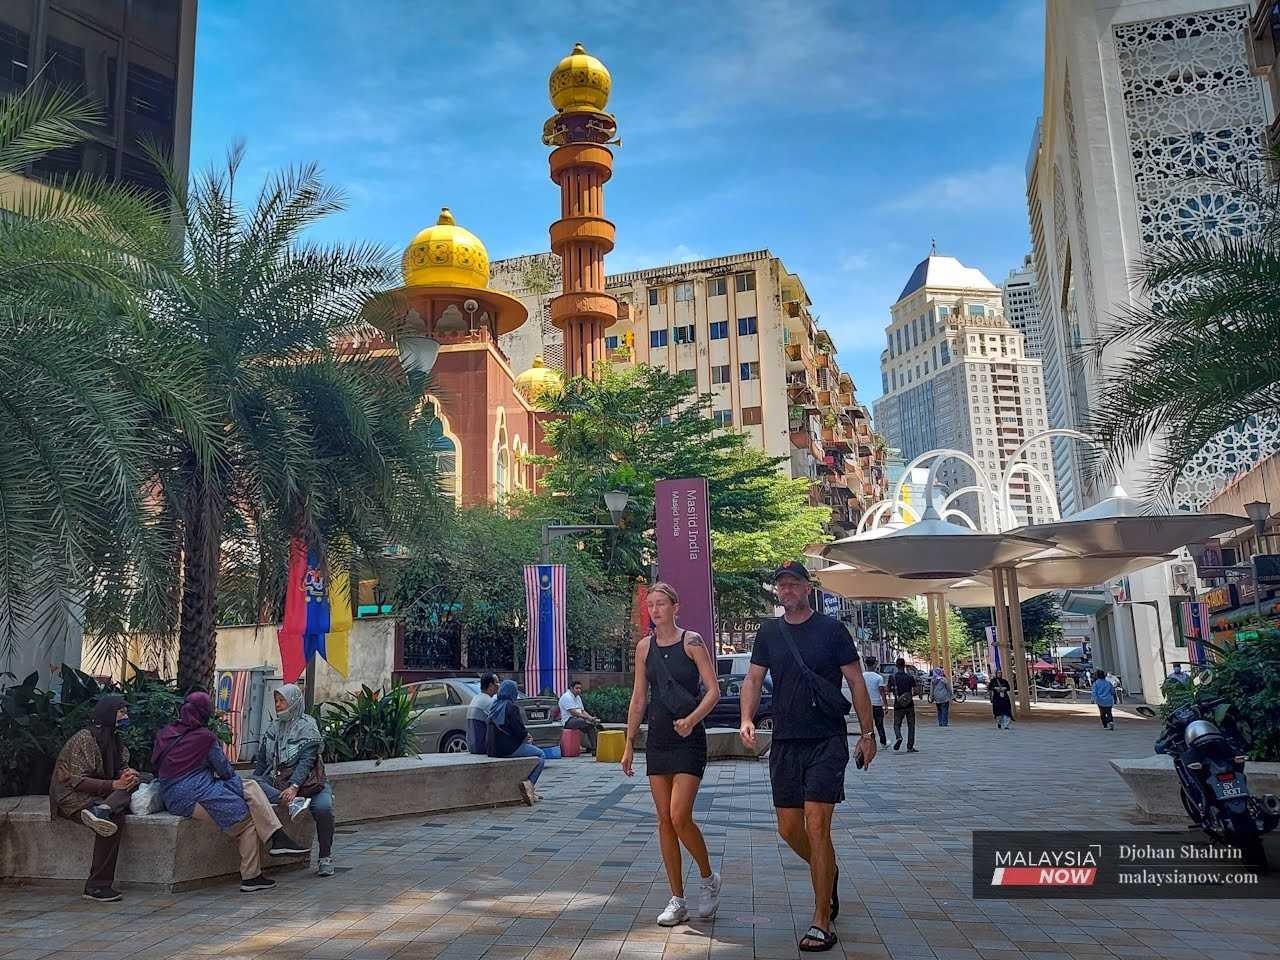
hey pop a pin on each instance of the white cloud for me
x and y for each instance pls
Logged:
(1000, 185)
(853, 262)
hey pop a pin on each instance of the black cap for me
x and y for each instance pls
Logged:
(792, 568)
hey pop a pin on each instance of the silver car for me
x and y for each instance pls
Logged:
(441, 726)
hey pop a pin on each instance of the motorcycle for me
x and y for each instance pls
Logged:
(1207, 741)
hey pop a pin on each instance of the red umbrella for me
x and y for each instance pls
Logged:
(1041, 665)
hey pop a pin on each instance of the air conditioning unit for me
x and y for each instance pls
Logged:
(1182, 577)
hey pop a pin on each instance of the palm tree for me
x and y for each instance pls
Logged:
(1198, 352)
(311, 441)
(80, 383)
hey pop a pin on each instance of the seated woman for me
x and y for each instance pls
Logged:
(508, 736)
(196, 780)
(289, 769)
(92, 782)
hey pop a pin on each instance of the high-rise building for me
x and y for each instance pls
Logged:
(741, 327)
(1264, 46)
(1021, 296)
(956, 374)
(1141, 98)
(133, 58)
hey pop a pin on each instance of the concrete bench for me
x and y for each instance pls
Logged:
(1156, 788)
(168, 853)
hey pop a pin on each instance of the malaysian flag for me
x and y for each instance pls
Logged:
(233, 700)
(1195, 627)
(546, 661)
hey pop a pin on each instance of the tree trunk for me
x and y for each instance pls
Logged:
(202, 554)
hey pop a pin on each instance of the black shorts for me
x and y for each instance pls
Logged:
(808, 770)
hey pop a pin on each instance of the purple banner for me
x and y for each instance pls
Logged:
(684, 551)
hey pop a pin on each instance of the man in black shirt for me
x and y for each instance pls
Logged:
(903, 687)
(810, 746)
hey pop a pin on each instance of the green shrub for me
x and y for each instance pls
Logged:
(1248, 676)
(608, 703)
(34, 725)
(369, 725)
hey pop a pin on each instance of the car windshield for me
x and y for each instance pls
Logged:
(473, 686)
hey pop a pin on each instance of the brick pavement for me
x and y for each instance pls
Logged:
(579, 876)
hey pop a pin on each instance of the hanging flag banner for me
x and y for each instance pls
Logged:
(546, 659)
(317, 614)
(993, 648)
(683, 531)
(232, 702)
(1195, 627)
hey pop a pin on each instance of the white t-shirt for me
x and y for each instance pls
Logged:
(874, 682)
(478, 708)
(569, 702)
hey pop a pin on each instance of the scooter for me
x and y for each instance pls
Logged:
(1207, 742)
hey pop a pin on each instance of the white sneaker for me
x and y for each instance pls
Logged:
(677, 912)
(709, 896)
(326, 867)
(298, 805)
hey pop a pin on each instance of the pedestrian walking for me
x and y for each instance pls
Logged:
(509, 737)
(478, 715)
(972, 682)
(670, 664)
(92, 782)
(290, 770)
(1001, 705)
(902, 685)
(1104, 695)
(875, 686)
(807, 654)
(940, 691)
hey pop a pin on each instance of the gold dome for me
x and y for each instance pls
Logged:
(580, 83)
(539, 383)
(446, 255)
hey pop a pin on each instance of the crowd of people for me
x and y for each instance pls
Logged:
(94, 783)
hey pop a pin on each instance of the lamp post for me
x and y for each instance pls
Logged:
(1117, 594)
(615, 502)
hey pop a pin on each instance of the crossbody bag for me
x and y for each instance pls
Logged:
(903, 699)
(674, 697)
(824, 696)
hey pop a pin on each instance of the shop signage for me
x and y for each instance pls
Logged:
(1222, 598)
(683, 532)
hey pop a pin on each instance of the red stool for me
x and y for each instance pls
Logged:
(570, 743)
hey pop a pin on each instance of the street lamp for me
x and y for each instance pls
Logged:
(615, 502)
(418, 352)
(1118, 595)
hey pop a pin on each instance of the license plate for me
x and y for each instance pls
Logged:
(1228, 788)
(537, 714)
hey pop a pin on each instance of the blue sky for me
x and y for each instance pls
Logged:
(842, 136)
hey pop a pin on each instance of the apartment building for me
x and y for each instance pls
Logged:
(955, 374)
(1021, 300)
(741, 326)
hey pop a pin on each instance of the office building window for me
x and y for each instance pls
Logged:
(611, 343)
(14, 45)
(943, 312)
(653, 296)
(889, 337)
(720, 374)
(752, 416)
(746, 326)
(720, 330)
(684, 292)
(684, 334)
(946, 354)
(897, 334)
(976, 310)
(749, 370)
(742, 282)
(884, 382)
(723, 418)
(895, 378)
(716, 287)
(657, 338)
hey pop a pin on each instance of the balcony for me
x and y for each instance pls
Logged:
(800, 356)
(824, 398)
(822, 360)
(835, 435)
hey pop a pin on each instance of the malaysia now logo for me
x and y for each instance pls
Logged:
(1046, 868)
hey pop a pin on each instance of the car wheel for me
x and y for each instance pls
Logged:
(765, 724)
(454, 743)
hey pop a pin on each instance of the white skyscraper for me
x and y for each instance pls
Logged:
(956, 374)
(1022, 305)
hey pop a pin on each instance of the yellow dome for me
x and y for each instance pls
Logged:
(580, 82)
(446, 255)
(539, 382)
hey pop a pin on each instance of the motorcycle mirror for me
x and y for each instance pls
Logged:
(1203, 678)
(1145, 711)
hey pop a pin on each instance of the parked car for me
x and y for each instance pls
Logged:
(441, 727)
(728, 711)
(732, 664)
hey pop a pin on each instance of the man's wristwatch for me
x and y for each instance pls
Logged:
(866, 736)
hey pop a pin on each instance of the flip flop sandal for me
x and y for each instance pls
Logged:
(835, 896)
(826, 940)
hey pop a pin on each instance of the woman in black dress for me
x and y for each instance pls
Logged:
(1001, 708)
(670, 662)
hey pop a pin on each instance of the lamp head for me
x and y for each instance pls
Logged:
(616, 502)
(1197, 551)
(1258, 511)
(418, 352)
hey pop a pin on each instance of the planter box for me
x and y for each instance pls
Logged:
(1156, 788)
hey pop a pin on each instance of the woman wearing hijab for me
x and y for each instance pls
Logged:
(508, 736)
(289, 769)
(1001, 707)
(197, 780)
(92, 781)
(941, 692)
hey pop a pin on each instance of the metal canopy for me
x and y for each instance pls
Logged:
(1070, 573)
